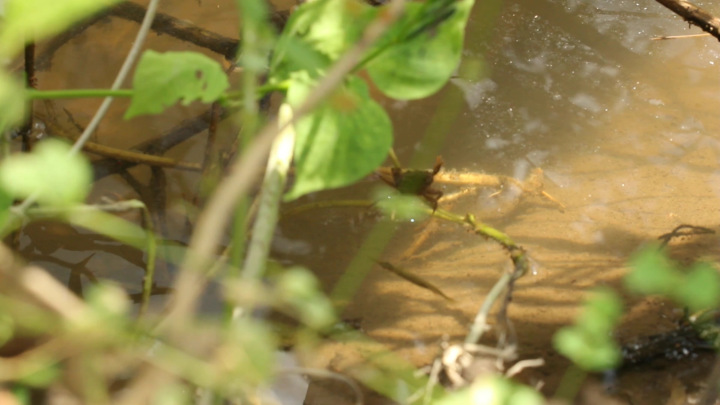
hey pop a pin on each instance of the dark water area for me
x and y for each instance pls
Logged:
(624, 129)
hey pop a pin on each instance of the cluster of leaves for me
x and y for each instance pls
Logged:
(697, 288)
(588, 343)
(350, 134)
(337, 143)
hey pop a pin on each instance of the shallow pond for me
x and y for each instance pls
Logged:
(624, 129)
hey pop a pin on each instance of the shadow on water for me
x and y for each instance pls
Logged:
(622, 126)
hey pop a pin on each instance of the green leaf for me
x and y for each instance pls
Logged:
(701, 288)
(7, 328)
(249, 352)
(421, 52)
(341, 141)
(652, 273)
(6, 201)
(317, 33)
(161, 79)
(588, 343)
(40, 372)
(299, 288)
(587, 352)
(33, 20)
(12, 94)
(601, 312)
(50, 173)
(108, 301)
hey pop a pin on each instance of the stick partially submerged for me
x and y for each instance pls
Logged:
(418, 281)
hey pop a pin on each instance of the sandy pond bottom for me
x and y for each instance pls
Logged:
(623, 191)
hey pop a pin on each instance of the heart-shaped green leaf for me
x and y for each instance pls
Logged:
(427, 44)
(341, 141)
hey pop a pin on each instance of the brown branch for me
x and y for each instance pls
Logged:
(175, 136)
(51, 119)
(163, 24)
(694, 15)
(180, 29)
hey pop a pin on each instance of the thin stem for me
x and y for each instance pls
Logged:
(479, 325)
(119, 79)
(30, 81)
(130, 59)
(76, 93)
(213, 219)
(149, 278)
(272, 189)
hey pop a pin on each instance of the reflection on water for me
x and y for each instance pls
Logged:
(624, 129)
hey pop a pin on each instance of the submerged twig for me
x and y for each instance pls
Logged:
(518, 256)
(694, 15)
(55, 128)
(418, 281)
(683, 230)
(178, 134)
(30, 82)
(664, 37)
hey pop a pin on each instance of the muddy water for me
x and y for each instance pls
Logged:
(624, 129)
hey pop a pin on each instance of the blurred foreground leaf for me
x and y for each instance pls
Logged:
(494, 390)
(398, 206)
(33, 20)
(49, 172)
(701, 288)
(300, 290)
(588, 343)
(652, 272)
(12, 102)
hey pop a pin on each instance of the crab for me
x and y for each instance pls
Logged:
(414, 181)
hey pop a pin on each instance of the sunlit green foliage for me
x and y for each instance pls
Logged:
(588, 343)
(317, 34)
(427, 43)
(298, 291)
(34, 20)
(163, 79)
(341, 141)
(493, 390)
(697, 287)
(12, 107)
(49, 173)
